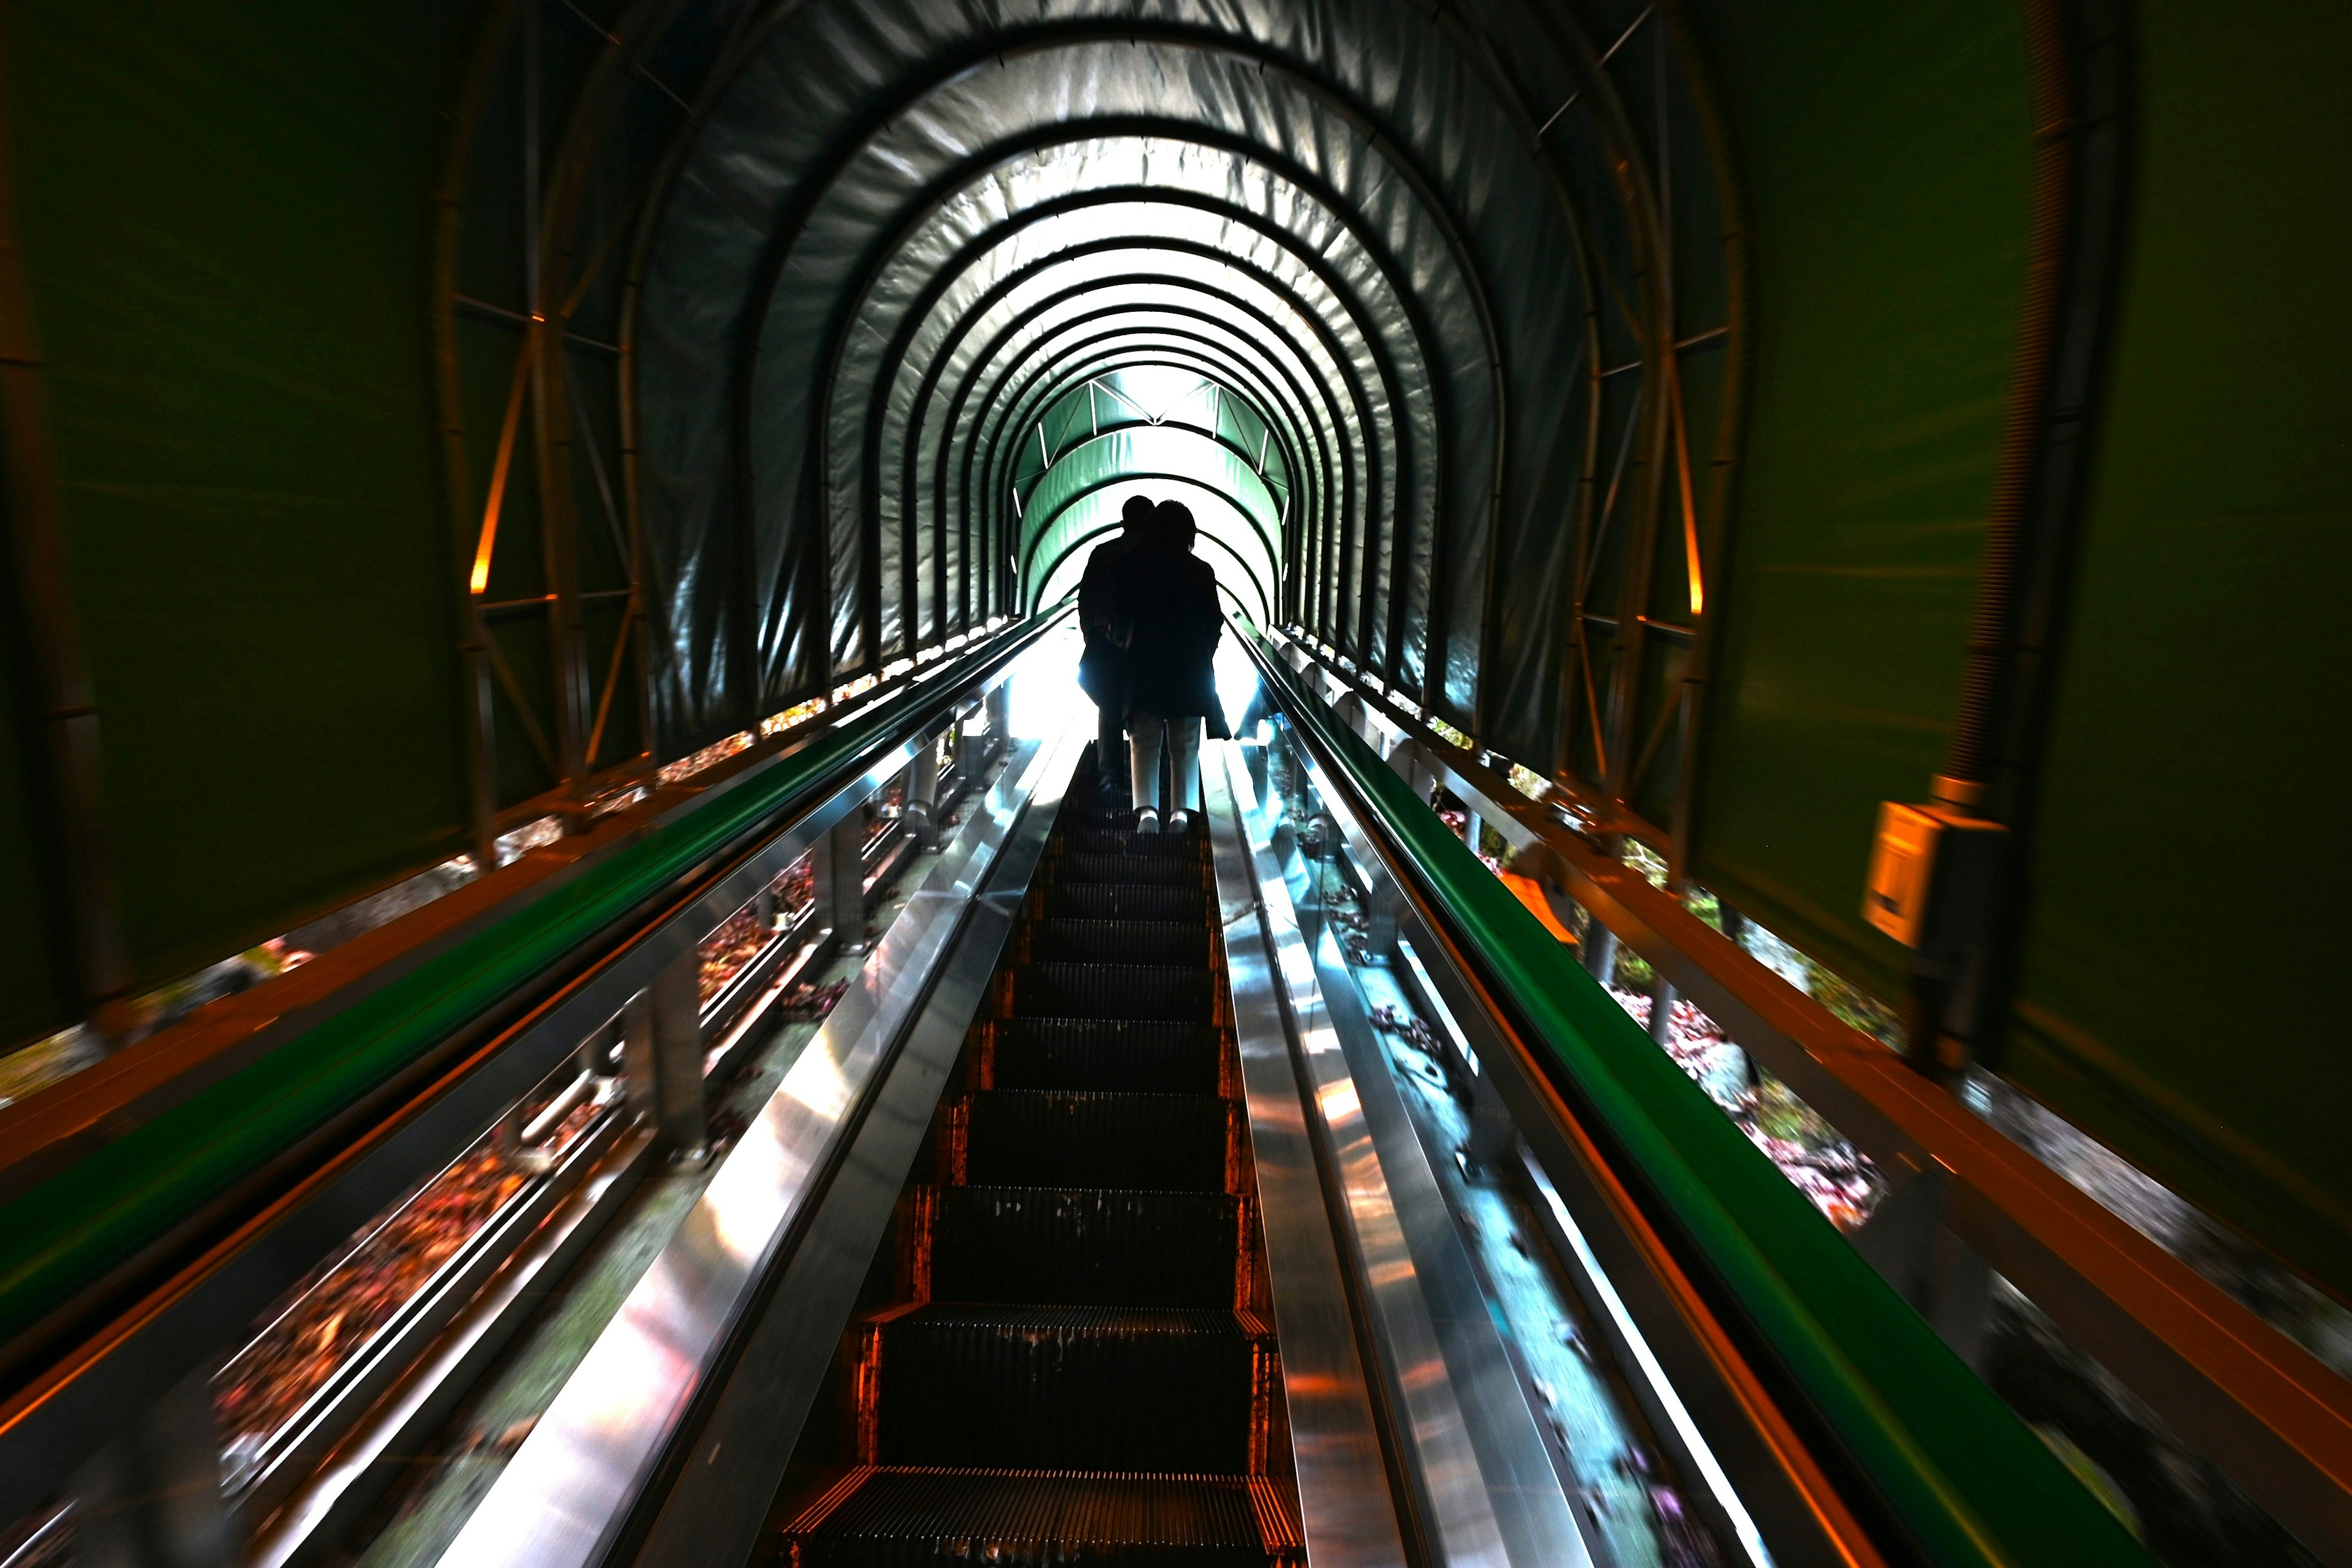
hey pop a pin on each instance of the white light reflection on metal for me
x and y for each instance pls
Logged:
(1703, 1456)
(1436, 1004)
(817, 1082)
(556, 1505)
(1046, 694)
(1338, 1100)
(1466, 1526)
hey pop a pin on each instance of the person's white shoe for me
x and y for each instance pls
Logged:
(1146, 821)
(1178, 821)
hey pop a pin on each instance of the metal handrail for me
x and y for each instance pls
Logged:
(2268, 1413)
(77, 1250)
(1943, 1461)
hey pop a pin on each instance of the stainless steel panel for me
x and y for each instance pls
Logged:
(717, 1505)
(1473, 1443)
(1777, 1492)
(566, 1496)
(1346, 1512)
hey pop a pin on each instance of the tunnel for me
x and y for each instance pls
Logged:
(1742, 977)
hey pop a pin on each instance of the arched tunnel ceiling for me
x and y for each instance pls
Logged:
(1470, 268)
(899, 233)
(1488, 241)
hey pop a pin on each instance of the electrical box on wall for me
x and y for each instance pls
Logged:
(1931, 870)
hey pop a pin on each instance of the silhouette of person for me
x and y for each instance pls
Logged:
(1101, 668)
(1165, 598)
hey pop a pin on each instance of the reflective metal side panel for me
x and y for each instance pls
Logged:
(1489, 1493)
(715, 1508)
(571, 1488)
(1346, 1511)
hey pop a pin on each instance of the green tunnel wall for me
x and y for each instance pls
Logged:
(2188, 925)
(225, 219)
(2182, 920)
(1884, 160)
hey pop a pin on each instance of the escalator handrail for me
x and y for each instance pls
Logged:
(1948, 1465)
(70, 1232)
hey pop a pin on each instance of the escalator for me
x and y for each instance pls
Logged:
(1079, 1364)
(956, 1176)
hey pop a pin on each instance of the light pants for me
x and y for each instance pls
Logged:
(1183, 755)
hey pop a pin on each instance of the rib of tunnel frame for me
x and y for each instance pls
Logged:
(913, 428)
(915, 432)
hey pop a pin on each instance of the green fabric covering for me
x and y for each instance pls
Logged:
(226, 215)
(2189, 857)
(1884, 155)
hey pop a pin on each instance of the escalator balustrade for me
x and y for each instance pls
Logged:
(1081, 1365)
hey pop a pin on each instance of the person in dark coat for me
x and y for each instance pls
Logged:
(1099, 667)
(1167, 597)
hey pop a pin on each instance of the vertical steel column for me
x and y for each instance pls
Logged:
(1000, 711)
(839, 862)
(1661, 990)
(559, 535)
(559, 523)
(474, 672)
(151, 1497)
(1598, 945)
(62, 701)
(661, 1057)
(923, 793)
(1662, 1011)
(1910, 1242)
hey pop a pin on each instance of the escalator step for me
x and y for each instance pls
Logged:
(1061, 1387)
(1067, 1138)
(1150, 1056)
(1093, 1247)
(1171, 992)
(1119, 840)
(904, 1518)
(1161, 870)
(1178, 942)
(1124, 902)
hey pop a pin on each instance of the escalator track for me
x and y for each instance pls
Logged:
(1080, 1365)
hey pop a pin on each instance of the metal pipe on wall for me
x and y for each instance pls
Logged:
(58, 701)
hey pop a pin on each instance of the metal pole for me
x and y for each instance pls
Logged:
(543, 287)
(151, 1497)
(839, 863)
(479, 742)
(923, 793)
(662, 1057)
(57, 692)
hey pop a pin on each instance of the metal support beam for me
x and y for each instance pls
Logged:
(923, 793)
(56, 696)
(1910, 1241)
(1000, 711)
(151, 1497)
(662, 1057)
(1662, 1011)
(840, 876)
